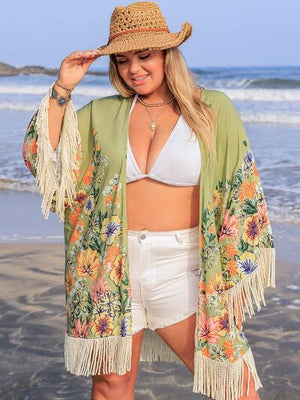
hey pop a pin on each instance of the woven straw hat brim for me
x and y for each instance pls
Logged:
(146, 40)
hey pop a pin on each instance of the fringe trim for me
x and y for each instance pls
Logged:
(223, 380)
(87, 356)
(250, 290)
(47, 179)
(155, 349)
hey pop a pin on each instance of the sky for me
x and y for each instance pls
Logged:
(225, 32)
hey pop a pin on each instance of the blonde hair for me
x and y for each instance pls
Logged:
(182, 84)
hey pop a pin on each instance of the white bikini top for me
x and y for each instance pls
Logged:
(179, 161)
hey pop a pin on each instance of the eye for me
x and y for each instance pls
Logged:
(121, 61)
(143, 56)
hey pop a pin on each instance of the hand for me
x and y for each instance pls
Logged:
(74, 67)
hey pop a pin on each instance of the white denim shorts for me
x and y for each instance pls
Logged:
(164, 276)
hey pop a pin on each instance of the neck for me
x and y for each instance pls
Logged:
(158, 96)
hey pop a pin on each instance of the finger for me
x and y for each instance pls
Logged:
(91, 54)
(77, 55)
(87, 53)
(89, 61)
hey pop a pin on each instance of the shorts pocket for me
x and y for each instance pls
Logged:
(196, 272)
(187, 241)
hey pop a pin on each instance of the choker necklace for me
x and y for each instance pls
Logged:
(156, 104)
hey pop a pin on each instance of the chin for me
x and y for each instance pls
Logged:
(144, 90)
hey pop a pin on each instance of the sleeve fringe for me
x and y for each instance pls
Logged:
(224, 381)
(50, 182)
(100, 355)
(250, 290)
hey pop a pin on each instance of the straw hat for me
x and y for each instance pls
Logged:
(141, 25)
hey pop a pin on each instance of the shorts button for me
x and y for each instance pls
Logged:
(143, 236)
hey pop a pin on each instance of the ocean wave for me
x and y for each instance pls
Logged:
(84, 90)
(17, 238)
(267, 78)
(19, 186)
(23, 89)
(258, 83)
(270, 118)
(270, 95)
(241, 93)
(279, 83)
(18, 106)
(278, 117)
(292, 217)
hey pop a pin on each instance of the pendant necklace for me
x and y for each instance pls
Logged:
(152, 124)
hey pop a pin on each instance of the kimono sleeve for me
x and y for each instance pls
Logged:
(56, 174)
(244, 233)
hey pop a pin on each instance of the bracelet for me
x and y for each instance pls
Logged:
(61, 100)
(69, 90)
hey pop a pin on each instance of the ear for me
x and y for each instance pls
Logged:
(199, 90)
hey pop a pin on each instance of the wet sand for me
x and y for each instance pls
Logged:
(33, 324)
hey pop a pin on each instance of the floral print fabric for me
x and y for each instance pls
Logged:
(236, 250)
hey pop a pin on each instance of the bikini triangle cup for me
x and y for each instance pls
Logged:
(173, 167)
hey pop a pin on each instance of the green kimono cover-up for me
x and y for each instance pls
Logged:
(236, 250)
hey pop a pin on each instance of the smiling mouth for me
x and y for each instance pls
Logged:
(139, 79)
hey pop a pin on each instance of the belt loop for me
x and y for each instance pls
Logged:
(178, 237)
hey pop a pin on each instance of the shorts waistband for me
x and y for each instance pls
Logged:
(191, 230)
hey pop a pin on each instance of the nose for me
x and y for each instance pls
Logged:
(134, 67)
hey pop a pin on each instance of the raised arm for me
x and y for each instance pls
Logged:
(52, 124)
(72, 70)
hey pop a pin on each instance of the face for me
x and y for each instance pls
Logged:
(142, 70)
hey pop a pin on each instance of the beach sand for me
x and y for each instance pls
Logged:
(33, 325)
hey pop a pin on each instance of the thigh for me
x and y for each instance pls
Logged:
(130, 377)
(180, 338)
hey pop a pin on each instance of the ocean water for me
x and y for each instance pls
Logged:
(267, 98)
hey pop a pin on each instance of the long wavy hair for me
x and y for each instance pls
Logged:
(182, 84)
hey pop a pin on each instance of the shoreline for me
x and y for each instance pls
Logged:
(11, 70)
(22, 222)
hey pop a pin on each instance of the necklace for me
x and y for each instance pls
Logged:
(156, 104)
(152, 124)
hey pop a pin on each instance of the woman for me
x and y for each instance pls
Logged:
(168, 240)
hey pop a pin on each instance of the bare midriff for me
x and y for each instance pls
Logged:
(157, 206)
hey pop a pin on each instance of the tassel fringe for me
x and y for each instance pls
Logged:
(94, 356)
(250, 290)
(47, 180)
(224, 380)
(219, 380)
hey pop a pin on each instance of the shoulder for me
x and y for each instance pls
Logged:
(230, 130)
(115, 99)
(227, 114)
(101, 101)
(218, 100)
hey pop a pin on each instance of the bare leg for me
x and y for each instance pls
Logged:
(180, 338)
(253, 394)
(113, 386)
(184, 348)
